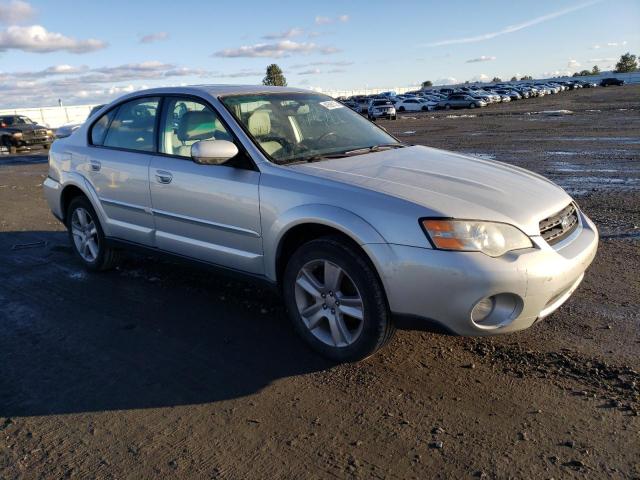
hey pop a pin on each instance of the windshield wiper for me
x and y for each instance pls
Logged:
(315, 158)
(375, 148)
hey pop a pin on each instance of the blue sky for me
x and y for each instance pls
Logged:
(92, 51)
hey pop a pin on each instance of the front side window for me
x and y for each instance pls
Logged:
(187, 121)
(133, 126)
(292, 127)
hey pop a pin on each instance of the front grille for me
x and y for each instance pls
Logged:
(34, 134)
(560, 225)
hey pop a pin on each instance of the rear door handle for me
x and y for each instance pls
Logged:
(163, 176)
(95, 165)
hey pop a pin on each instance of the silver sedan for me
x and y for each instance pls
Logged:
(359, 232)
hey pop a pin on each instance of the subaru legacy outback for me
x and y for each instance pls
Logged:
(359, 232)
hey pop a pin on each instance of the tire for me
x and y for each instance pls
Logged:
(425, 109)
(401, 109)
(7, 144)
(395, 117)
(357, 339)
(472, 105)
(447, 107)
(104, 257)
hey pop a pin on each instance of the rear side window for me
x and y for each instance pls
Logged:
(99, 129)
(133, 126)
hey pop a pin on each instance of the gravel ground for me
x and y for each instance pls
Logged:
(158, 370)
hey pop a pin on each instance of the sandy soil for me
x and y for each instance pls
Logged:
(158, 370)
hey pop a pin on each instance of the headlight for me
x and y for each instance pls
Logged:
(49, 132)
(493, 239)
(16, 134)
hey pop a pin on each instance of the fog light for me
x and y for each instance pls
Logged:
(482, 309)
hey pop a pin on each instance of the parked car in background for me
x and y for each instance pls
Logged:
(461, 100)
(606, 82)
(357, 230)
(18, 132)
(381, 109)
(411, 105)
(66, 130)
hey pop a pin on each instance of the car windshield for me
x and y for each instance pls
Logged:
(292, 127)
(17, 120)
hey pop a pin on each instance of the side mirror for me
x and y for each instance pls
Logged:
(213, 152)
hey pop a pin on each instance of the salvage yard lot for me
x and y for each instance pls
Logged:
(157, 369)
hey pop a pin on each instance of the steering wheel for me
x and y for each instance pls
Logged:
(327, 135)
(287, 146)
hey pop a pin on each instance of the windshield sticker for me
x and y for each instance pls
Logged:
(331, 104)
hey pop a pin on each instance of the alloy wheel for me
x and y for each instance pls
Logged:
(329, 303)
(85, 235)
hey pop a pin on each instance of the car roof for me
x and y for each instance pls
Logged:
(218, 90)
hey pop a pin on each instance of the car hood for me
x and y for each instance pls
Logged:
(448, 184)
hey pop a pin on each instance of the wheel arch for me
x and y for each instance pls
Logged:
(303, 224)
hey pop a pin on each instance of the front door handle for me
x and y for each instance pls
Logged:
(95, 165)
(163, 176)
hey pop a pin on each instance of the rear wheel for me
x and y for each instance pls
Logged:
(87, 236)
(472, 105)
(447, 106)
(336, 301)
(401, 109)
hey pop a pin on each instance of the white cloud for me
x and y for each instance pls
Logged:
(609, 44)
(16, 11)
(602, 60)
(513, 28)
(481, 58)
(284, 48)
(154, 37)
(341, 63)
(37, 39)
(480, 78)
(446, 81)
(313, 71)
(573, 64)
(292, 32)
(320, 20)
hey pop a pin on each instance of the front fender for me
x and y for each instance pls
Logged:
(338, 218)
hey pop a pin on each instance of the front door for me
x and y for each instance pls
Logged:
(207, 212)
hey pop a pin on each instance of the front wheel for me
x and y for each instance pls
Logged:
(472, 105)
(401, 109)
(87, 236)
(335, 300)
(447, 107)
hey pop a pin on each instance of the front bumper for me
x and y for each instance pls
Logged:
(31, 142)
(442, 287)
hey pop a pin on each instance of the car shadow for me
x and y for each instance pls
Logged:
(151, 333)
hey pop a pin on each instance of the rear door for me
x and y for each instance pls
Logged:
(122, 142)
(207, 212)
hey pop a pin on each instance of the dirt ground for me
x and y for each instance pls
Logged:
(157, 370)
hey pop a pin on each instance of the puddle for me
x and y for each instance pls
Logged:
(483, 156)
(562, 153)
(551, 112)
(623, 140)
(577, 168)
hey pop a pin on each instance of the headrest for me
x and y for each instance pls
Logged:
(198, 125)
(259, 123)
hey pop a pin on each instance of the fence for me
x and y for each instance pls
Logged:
(53, 117)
